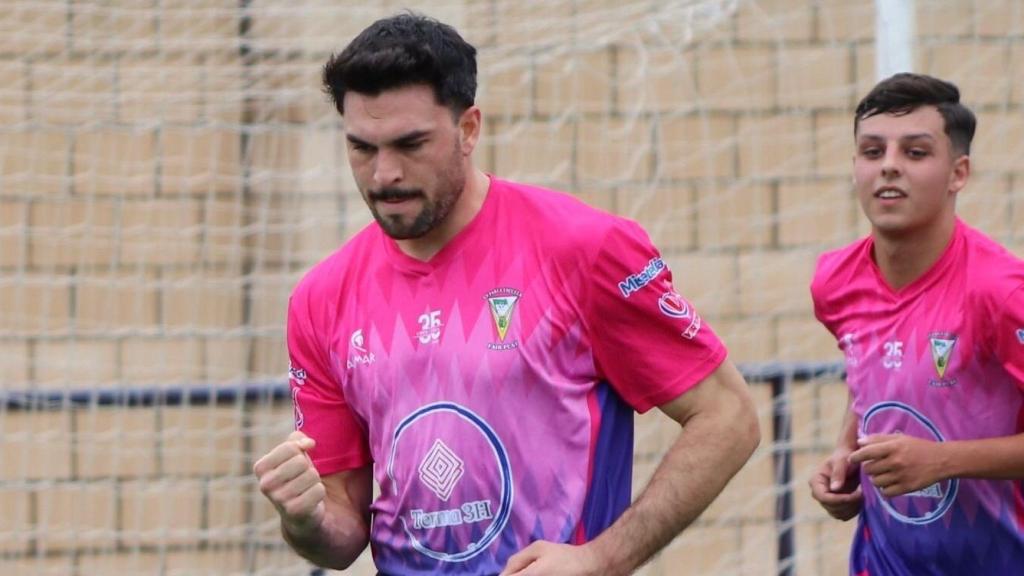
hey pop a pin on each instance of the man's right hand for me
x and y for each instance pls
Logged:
(289, 480)
(836, 486)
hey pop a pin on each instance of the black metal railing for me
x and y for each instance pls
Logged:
(779, 375)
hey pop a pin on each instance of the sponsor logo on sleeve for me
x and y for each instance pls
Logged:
(296, 409)
(636, 282)
(673, 305)
(298, 377)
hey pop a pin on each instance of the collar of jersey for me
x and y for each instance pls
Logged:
(930, 276)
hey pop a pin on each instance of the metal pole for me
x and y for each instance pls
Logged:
(782, 465)
(894, 37)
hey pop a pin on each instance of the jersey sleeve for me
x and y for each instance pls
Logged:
(1008, 338)
(321, 411)
(648, 341)
(823, 311)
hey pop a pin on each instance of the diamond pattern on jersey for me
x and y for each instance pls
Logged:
(441, 470)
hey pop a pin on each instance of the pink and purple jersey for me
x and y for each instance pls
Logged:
(941, 359)
(492, 387)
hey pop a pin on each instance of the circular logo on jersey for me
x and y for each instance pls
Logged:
(453, 474)
(930, 503)
(673, 305)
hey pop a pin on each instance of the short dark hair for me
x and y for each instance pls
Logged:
(405, 50)
(905, 92)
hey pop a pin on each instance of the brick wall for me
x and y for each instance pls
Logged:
(168, 169)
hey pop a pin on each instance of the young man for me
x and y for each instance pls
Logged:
(930, 315)
(479, 351)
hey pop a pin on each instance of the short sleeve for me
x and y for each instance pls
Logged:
(817, 288)
(824, 293)
(321, 411)
(648, 340)
(1008, 338)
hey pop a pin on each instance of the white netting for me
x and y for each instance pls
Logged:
(168, 168)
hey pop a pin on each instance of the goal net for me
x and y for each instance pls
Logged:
(169, 168)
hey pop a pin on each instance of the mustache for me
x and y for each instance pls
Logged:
(390, 194)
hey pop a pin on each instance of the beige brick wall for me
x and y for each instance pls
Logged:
(169, 169)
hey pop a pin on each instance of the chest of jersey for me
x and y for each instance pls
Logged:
(908, 345)
(922, 367)
(438, 342)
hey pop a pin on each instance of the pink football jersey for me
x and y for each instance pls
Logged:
(493, 386)
(940, 359)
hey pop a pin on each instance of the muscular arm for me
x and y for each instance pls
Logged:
(719, 432)
(343, 530)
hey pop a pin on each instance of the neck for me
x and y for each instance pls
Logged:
(466, 208)
(902, 259)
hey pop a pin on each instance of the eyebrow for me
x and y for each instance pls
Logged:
(914, 136)
(406, 138)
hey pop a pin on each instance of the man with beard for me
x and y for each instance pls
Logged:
(479, 351)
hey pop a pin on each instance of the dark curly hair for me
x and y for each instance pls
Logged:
(404, 50)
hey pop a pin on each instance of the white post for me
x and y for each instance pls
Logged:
(894, 37)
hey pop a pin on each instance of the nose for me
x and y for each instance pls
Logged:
(387, 169)
(890, 163)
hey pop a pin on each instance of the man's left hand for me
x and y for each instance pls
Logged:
(899, 464)
(548, 558)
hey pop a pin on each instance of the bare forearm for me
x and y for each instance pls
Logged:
(335, 543)
(709, 451)
(848, 430)
(991, 458)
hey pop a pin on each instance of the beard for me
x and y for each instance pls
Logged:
(451, 182)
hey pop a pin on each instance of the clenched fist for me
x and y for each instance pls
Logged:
(288, 479)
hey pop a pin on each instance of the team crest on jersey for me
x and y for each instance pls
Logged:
(1020, 335)
(942, 344)
(502, 302)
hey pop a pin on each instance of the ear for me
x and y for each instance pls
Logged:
(470, 124)
(960, 173)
